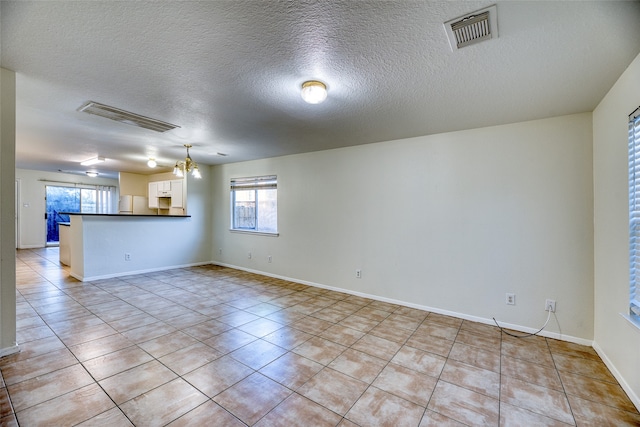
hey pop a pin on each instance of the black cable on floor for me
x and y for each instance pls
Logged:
(527, 335)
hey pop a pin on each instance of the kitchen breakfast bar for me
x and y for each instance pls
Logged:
(100, 246)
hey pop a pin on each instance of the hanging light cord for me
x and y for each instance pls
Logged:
(527, 335)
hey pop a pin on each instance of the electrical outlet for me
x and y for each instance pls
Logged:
(550, 305)
(220, 251)
(127, 257)
(511, 299)
(269, 259)
(358, 274)
(249, 256)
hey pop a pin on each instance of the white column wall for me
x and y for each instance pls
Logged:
(99, 243)
(617, 340)
(448, 222)
(8, 343)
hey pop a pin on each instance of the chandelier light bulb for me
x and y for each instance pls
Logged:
(196, 172)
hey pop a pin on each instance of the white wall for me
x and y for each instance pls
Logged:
(133, 184)
(8, 343)
(449, 222)
(617, 340)
(32, 226)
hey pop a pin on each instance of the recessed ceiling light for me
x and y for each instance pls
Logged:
(93, 161)
(314, 92)
(92, 174)
(152, 163)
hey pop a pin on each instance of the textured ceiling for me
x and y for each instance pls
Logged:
(229, 73)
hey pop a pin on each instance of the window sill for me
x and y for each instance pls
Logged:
(634, 322)
(258, 233)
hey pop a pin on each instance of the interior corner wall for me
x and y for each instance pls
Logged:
(133, 184)
(164, 176)
(7, 212)
(199, 202)
(32, 227)
(447, 222)
(616, 339)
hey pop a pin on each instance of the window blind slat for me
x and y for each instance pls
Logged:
(255, 183)
(634, 216)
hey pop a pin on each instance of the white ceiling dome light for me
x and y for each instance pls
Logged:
(314, 91)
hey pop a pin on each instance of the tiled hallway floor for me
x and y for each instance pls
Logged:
(220, 347)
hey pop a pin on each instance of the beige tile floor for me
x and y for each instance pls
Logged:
(215, 346)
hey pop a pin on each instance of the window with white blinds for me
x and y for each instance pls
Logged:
(634, 213)
(254, 204)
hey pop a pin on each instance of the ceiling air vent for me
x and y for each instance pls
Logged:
(127, 117)
(472, 28)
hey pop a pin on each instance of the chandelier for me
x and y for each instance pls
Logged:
(188, 165)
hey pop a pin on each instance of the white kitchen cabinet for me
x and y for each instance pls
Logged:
(164, 188)
(177, 193)
(167, 194)
(153, 195)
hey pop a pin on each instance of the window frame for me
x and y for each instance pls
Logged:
(256, 183)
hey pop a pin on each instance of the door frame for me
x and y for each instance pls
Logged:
(17, 212)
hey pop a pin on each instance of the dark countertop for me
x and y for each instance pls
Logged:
(127, 215)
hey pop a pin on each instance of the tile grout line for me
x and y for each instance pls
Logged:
(564, 390)
(371, 383)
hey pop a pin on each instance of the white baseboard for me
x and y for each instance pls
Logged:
(133, 272)
(635, 399)
(10, 350)
(464, 316)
